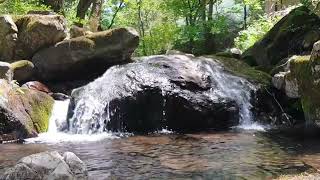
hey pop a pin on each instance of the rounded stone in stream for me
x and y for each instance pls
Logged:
(176, 92)
(48, 165)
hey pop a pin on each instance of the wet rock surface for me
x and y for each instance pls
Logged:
(177, 92)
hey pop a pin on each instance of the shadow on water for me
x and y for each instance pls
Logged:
(222, 155)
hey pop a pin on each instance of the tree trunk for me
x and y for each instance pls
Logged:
(210, 12)
(203, 10)
(245, 14)
(141, 25)
(96, 15)
(56, 5)
(115, 14)
(82, 9)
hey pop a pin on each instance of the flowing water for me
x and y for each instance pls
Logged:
(237, 154)
(228, 155)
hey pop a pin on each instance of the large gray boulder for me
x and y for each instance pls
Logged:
(294, 34)
(86, 56)
(48, 165)
(27, 34)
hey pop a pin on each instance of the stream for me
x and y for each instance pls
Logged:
(246, 151)
(224, 155)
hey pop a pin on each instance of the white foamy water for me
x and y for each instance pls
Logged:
(237, 89)
(58, 118)
(254, 126)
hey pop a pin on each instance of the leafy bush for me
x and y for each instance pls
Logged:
(20, 6)
(255, 31)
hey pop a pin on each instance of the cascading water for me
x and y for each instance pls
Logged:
(92, 110)
(236, 88)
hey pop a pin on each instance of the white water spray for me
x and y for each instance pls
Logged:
(57, 121)
(237, 89)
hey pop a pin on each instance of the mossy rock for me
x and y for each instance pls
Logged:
(24, 112)
(242, 69)
(294, 34)
(86, 57)
(302, 69)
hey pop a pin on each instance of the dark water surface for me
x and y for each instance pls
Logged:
(228, 155)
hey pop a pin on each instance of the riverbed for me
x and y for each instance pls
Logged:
(207, 155)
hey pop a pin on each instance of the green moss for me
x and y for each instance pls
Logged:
(82, 42)
(310, 92)
(41, 112)
(40, 107)
(300, 68)
(242, 69)
(225, 54)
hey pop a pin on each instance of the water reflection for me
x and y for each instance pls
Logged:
(228, 155)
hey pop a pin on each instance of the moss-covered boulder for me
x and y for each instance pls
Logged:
(294, 34)
(306, 70)
(8, 37)
(87, 56)
(242, 69)
(30, 34)
(23, 112)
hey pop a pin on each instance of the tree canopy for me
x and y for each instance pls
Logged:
(194, 26)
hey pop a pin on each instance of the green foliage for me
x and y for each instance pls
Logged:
(20, 6)
(255, 31)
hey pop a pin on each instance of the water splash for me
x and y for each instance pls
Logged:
(56, 123)
(236, 88)
(92, 111)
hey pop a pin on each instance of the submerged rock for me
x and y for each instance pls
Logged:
(23, 112)
(48, 165)
(294, 34)
(177, 92)
(86, 56)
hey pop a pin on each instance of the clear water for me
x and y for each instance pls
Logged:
(224, 155)
(246, 154)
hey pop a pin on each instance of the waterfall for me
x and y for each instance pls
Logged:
(58, 116)
(57, 122)
(92, 109)
(235, 88)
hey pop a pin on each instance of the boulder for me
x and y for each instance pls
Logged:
(177, 92)
(28, 34)
(37, 32)
(48, 165)
(24, 112)
(294, 34)
(286, 81)
(86, 56)
(8, 37)
(76, 31)
(306, 70)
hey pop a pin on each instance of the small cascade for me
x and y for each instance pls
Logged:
(235, 88)
(92, 110)
(58, 116)
(57, 122)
